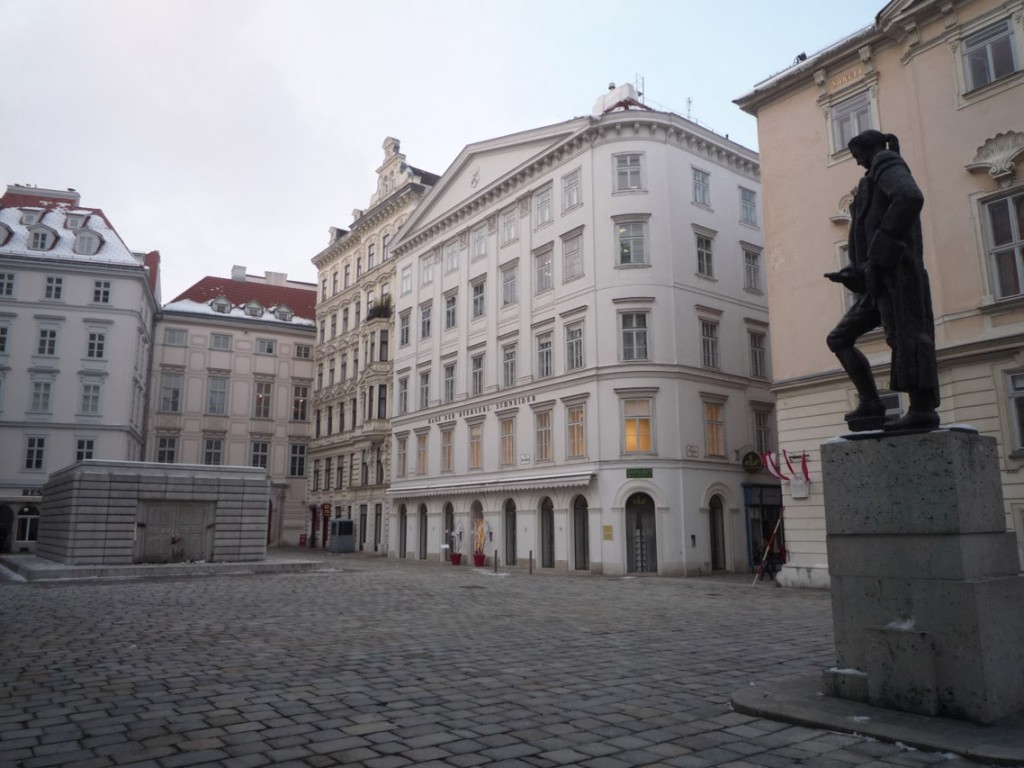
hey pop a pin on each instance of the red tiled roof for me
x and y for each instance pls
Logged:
(301, 301)
(34, 199)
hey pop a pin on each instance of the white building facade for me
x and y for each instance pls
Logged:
(76, 315)
(581, 352)
(231, 385)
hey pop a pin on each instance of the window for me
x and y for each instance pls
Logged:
(427, 269)
(40, 240)
(634, 335)
(714, 429)
(316, 475)
(575, 431)
(542, 270)
(323, 328)
(47, 342)
(479, 244)
(572, 258)
(424, 389)
(6, 283)
(300, 402)
(406, 280)
(385, 253)
(262, 391)
(636, 428)
(86, 243)
(544, 367)
(101, 292)
(542, 207)
(348, 275)
(451, 256)
(35, 449)
(95, 348)
(507, 440)
(476, 376)
(632, 242)
(371, 255)
(259, 454)
(266, 347)
(571, 192)
(508, 366)
(401, 456)
(213, 450)
(421, 453)
(425, 321)
(170, 392)
(709, 344)
(758, 354)
(84, 449)
(3, 339)
(404, 322)
(223, 341)
(542, 425)
(330, 372)
(509, 291)
(448, 381)
(54, 288)
(751, 270)
(989, 54)
(41, 391)
(1006, 244)
(478, 299)
(748, 206)
(702, 188)
(166, 450)
(359, 267)
(403, 395)
(850, 117)
(447, 446)
(476, 433)
(30, 216)
(323, 291)
(334, 325)
(509, 226)
(628, 172)
(383, 347)
(297, 460)
(764, 423)
(450, 311)
(574, 346)
(382, 401)
(320, 376)
(217, 395)
(328, 464)
(175, 337)
(334, 282)
(705, 258)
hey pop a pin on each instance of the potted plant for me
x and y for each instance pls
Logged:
(481, 535)
(455, 542)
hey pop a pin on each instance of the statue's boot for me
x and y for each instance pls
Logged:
(921, 414)
(870, 414)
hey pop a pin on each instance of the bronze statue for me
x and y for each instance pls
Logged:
(887, 277)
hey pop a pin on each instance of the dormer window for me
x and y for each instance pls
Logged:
(41, 238)
(74, 221)
(254, 309)
(284, 314)
(30, 216)
(87, 242)
(5, 234)
(221, 305)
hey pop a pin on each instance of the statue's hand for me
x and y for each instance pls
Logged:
(850, 277)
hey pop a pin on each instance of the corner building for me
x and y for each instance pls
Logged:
(947, 78)
(581, 351)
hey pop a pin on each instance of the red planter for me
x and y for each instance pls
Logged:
(478, 559)
(456, 558)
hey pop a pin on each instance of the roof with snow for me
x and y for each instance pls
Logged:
(54, 208)
(202, 297)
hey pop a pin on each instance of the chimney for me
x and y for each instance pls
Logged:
(276, 278)
(238, 273)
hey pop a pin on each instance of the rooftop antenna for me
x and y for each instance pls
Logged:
(639, 84)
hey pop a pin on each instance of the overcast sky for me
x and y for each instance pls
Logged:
(224, 132)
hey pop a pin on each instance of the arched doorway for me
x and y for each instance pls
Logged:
(581, 533)
(511, 556)
(6, 527)
(641, 535)
(403, 530)
(547, 533)
(449, 530)
(716, 524)
(422, 553)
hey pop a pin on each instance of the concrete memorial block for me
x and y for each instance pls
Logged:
(928, 602)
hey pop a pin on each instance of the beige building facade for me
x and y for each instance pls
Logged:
(349, 452)
(947, 78)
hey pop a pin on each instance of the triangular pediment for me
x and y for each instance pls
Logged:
(485, 165)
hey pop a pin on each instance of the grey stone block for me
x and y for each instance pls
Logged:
(941, 556)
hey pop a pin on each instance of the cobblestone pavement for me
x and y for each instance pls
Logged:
(393, 663)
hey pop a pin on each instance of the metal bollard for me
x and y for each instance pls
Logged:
(531, 561)
(495, 561)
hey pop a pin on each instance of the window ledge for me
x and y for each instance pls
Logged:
(636, 191)
(638, 265)
(1017, 454)
(1009, 304)
(750, 225)
(709, 278)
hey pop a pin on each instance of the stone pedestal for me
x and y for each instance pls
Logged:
(927, 599)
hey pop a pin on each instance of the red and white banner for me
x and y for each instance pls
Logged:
(772, 465)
